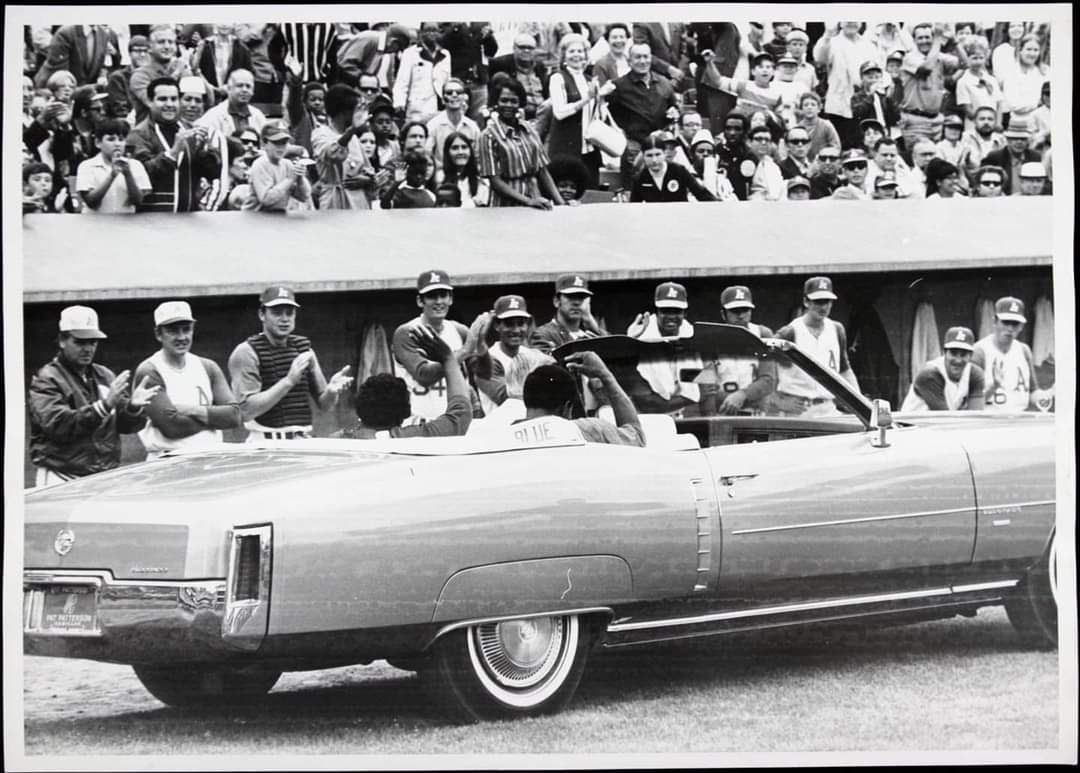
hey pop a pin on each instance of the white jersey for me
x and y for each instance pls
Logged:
(824, 348)
(1011, 370)
(189, 385)
(430, 402)
(731, 375)
(956, 392)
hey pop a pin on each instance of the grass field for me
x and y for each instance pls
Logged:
(948, 686)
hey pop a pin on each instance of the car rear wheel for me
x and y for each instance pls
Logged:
(1032, 607)
(206, 686)
(512, 668)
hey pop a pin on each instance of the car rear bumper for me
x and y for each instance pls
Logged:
(135, 621)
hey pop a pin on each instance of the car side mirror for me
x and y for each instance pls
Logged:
(880, 420)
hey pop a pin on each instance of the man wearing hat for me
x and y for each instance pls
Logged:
(825, 340)
(1032, 179)
(273, 373)
(236, 111)
(195, 402)
(1006, 361)
(805, 74)
(856, 166)
(275, 180)
(425, 377)
(573, 318)
(501, 369)
(120, 100)
(1015, 154)
(192, 99)
(78, 408)
(798, 189)
(871, 100)
(949, 382)
(951, 147)
(922, 79)
(885, 186)
(730, 385)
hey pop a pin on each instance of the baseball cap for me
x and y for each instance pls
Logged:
(761, 56)
(798, 34)
(798, 182)
(274, 130)
(433, 280)
(885, 180)
(172, 311)
(138, 41)
(572, 284)
(664, 137)
(736, 297)
(1032, 169)
(81, 322)
(953, 120)
(866, 123)
(277, 295)
(959, 338)
(192, 84)
(869, 65)
(853, 155)
(787, 59)
(507, 306)
(670, 295)
(380, 105)
(702, 135)
(897, 53)
(1010, 309)
(818, 288)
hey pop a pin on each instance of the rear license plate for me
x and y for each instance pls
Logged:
(61, 610)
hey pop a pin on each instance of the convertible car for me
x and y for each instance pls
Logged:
(494, 563)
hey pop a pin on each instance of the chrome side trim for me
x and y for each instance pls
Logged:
(90, 575)
(984, 586)
(987, 509)
(865, 519)
(502, 618)
(702, 499)
(779, 610)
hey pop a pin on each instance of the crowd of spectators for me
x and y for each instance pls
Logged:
(313, 115)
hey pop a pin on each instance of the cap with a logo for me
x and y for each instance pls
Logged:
(1032, 169)
(1019, 127)
(507, 306)
(1010, 309)
(572, 284)
(80, 322)
(172, 311)
(433, 280)
(277, 295)
(853, 156)
(885, 180)
(959, 338)
(869, 66)
(818, 288)
(274, 130)
(896, 53)
(736, 297)
(953, 120)
(798, 182)
(670, 295)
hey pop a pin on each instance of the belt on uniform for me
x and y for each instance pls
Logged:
(806, 400)
(284, 435)
(922, 113)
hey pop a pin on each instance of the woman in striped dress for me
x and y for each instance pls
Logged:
(511, 154)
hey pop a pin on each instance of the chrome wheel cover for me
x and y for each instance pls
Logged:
(523, 662)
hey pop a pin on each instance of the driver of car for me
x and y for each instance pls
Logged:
(552, 402)
(731, 385)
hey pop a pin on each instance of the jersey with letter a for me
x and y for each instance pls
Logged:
(189, 385)
(1011, 369)
(956, 392)
(824, 348)
(430, 402)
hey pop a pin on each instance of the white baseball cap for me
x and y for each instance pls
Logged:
(81, 322)
(172, 311)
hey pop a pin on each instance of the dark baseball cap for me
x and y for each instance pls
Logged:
(869, 66)
(433, 280)
(508, 306)
(1010, 309)
(737, 297)
(670, 295)
(572, 284)
(278, 295)
(818, 288)
(959, 338)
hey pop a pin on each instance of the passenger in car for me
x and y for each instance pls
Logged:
(729, 386)
(383, 407)
(658, 385)
(824, 339)
(551, 398)
(501, 369)
(950, 382)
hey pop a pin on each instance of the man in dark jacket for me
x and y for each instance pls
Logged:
(78, 49)
(523, 66)
(79, 409)
(1014, 155)
(470, 44)
(218, 56)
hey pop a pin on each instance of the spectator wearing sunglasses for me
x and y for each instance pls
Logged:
(452, 120)
(855, 166)
(767, 182)
(825, 173)
(797, 163)
(989, 182)
(249, 140)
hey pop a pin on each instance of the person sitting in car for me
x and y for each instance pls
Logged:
(383, 407)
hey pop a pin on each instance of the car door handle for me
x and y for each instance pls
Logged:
(729, 480)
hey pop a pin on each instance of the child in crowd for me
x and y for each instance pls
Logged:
(412, 193)
(275, 180)
(37, 188)
(110, 183)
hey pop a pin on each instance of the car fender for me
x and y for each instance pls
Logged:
(526, 587)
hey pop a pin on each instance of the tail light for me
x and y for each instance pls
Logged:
(247, 604)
